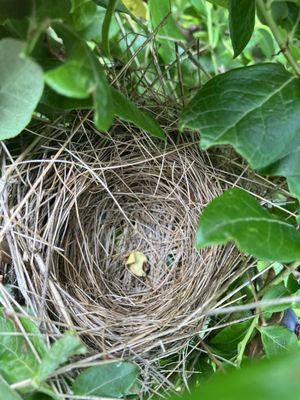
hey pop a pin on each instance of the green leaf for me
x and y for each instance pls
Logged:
(274, 379)
(162, 19)
(294, 185)
(52, 8)
(236, 215)
(21, 87)
(273, 293)
(112, 379)
(227, 340)
(241, 23)
(17, 362)
(75, 78)
(6, 392)
(288, 166)
(82, 76)
(255, 109)
(127, 110)
(276, 338)
(222, 3)
(14, 8)
(65, 347)
(247, 336)
(58, 102)
(40, 396)
(36, 337)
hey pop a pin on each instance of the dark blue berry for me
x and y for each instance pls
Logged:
(290, 320)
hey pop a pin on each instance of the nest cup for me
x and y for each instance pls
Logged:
(84, 205)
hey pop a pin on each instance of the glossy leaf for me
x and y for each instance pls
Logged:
(255, 109)
(6, 392)
(21, 87)
(62, 349)
(274, 379)
(112, 379)
(74, 78)
(241, 23)
(128, 111)
(236, 215)
(276, 338)
(227, 340)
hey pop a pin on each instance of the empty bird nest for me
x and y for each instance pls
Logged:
(99, 236)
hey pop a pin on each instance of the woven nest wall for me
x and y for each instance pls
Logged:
(80, 207)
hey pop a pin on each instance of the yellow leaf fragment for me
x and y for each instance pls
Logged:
(137, 7)
(135, 262)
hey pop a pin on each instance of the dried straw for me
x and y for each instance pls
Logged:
(76, 209)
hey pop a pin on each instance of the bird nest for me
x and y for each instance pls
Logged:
(100, 233)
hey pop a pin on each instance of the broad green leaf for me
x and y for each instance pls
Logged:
(273, 293)
(62, 349)
(82, 76)
(75, 78)
(21, 87)
(236, 215)
(161, 18)
(87, 19)
(17, 362)
(14, 8)
(127, 110)
(255, 109)
(276, 338)
(82, 14)
(241, 23)
(6, 392)
(112, 379)
(266, 379)
(227, 340)
(93, 32)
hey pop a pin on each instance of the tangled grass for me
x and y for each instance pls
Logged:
(77, 210)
